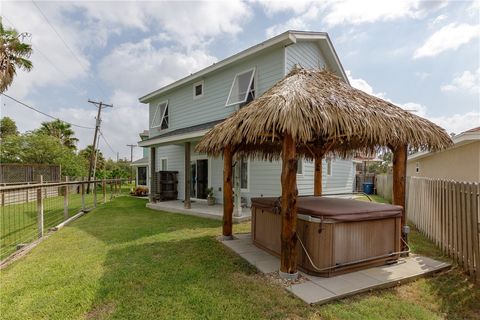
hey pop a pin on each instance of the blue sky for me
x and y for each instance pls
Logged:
(421, 55)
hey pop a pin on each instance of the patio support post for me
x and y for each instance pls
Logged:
(187, 203)
(317, 185)
(288, 255)
(227, 192)
(153, 191)
(399, 180)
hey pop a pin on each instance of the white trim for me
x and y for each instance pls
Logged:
(458, 140)
(248, 178)
(202, 82)
(286, 38)
(163, 114)
(160, 163)
(175, 138)
(209, 166)
(248, 89)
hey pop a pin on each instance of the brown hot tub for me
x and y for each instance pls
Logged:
(340, 235)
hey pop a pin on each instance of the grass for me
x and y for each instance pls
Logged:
(124, 261)
(18, 222)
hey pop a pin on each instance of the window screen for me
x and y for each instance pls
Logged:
(142, 176)
(160, 117)
(198, 90)
(241, 87)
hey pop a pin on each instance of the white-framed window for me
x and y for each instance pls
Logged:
(417, 167)
(329, 166)
(160, 116)
(163, 164)
(244, 173)
(243, 88)
(300, 166)
(198, 88)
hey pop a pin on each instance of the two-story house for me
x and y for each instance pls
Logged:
(141, 166)
(182, 112)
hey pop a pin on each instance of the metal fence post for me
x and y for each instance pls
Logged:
(65, 200)
(82, 188)
(104, 190)
(40, 209)
(95, 194)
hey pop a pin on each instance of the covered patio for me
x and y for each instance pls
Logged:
(312, 113)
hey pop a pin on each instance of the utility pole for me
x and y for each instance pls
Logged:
(99, 105)
(131, 160)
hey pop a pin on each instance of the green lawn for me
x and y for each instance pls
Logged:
(123, 261)
(18, 222)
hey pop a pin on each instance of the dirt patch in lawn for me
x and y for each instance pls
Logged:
(101, 311)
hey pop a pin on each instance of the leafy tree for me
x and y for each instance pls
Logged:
(7, 127)
(382, 167)
(61, 130)
(11, 150)
(86, 153)
(13, 54)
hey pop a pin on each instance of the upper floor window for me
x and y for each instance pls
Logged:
(198, 89)
(242, 88)
(160, 116)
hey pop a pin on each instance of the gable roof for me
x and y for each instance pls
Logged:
(286, 38)
(466, 137)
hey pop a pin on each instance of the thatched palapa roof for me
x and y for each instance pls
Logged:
(321, 112)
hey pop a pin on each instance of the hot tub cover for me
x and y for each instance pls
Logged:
(335, 209)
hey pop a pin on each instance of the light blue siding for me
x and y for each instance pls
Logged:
(306, 54)
(184, 111)
(264, 176)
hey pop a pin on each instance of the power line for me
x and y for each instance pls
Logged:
(80, 63)
(45, 114)
(106, 142)
(37, 49)
(58, 34)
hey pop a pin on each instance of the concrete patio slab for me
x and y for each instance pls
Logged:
(320, 290)
(198, 208)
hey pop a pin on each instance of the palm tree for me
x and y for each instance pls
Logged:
(61, 130)
(13, 54)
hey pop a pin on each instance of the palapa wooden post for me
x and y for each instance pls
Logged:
(187, 202)
(399, 180)
(288, 255)
(317, 184)
(227, 192)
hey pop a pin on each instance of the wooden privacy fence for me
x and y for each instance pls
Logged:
(447, 212)
(384, 186)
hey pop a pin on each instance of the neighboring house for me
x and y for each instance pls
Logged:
(461, 162)
(142, 173)
(182, 112)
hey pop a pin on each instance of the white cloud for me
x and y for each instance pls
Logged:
(345, 12)
(438, 19)
(467, 81)
(453, 123)
(141, 67)
(458, 123)
(450, 37)
(363, 85)
(296, 6)
(48, 49)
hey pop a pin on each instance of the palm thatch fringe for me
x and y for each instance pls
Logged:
(319, 110)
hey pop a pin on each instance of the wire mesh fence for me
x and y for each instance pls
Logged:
(29, 211)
